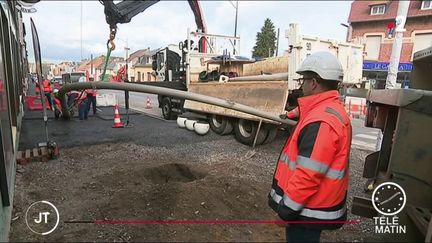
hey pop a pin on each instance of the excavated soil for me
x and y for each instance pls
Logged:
(127, 181)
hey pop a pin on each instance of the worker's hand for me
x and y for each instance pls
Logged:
(283, 116)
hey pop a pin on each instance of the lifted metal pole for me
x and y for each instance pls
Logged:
(38, 61)
(167, 92)
(257, 132)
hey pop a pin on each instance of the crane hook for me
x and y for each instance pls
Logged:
(113, 31)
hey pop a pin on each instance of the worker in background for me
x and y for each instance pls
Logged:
(82, 106)
(37, 89)
(72, 97)
(57, 104)
(311, 178)
(48, 91)
(91, 98)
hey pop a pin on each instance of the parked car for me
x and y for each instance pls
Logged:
(57, 82)
(75, 77)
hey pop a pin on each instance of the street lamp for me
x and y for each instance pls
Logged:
(126, 48)
(348, 35)
(235, 26)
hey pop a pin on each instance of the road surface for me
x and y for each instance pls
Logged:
(363, 137)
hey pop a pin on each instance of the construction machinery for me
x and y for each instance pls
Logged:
(218, 73)
(404, 116)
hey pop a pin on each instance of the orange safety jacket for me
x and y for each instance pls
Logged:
(91, 92)
(47, 86)
(37, 87)
(311, 178)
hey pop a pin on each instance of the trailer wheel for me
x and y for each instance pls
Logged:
(246, 130)
(220, 125)
(166, 109)
(271, 133)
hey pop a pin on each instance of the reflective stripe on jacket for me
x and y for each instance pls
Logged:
(311, 177)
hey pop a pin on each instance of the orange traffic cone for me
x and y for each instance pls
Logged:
(117, 122)
(148, 105)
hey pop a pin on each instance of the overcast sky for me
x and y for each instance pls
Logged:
(166, 22)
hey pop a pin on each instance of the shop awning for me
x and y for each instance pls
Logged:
(383, 66)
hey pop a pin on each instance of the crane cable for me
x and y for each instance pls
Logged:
(110, 47)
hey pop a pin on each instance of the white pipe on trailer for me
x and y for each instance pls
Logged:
(271, 77)
(167, 92)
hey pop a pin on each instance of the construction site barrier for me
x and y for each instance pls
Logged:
(33, 102)
(356, 107)
(106, 99)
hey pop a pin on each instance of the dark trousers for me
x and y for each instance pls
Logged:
(50, 101)
(82, 110)
(91, 101)
(71, 99)
(296, 233)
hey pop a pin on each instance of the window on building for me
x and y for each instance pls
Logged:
(373, 46)
(426, 5)
(378, 9)
(422, 41)
(139, 76)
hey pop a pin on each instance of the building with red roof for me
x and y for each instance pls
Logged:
(369, 23)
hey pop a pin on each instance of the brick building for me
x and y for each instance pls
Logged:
(368, 24)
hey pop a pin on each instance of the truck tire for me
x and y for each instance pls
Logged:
(271, 133)
(220, 125)
(246, 130)
(166, 109)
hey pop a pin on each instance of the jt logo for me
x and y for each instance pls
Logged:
(42, 217)
(45, 214)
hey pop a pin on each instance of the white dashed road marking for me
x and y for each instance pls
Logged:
(366, 136)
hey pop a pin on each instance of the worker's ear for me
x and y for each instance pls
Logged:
(314, 84)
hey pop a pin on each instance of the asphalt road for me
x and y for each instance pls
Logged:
(363, 137)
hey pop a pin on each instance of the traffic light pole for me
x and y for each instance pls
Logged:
(127, 80)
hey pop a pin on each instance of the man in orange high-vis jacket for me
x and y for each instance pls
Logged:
(91, 97)
(48, 90)
(82, 106)
(311, 178)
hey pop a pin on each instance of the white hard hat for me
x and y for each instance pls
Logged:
(55, 91)
(325, 64)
